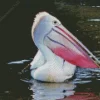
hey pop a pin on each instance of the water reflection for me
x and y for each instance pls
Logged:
(84, 85)
(84, 76)
(51, 91)
(96, 6)
(82, 96)
(18, 62)
(96, 20)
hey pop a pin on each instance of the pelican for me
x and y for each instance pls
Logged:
(59, 51)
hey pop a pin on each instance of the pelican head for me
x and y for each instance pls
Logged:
(43, 24)
(47, 30)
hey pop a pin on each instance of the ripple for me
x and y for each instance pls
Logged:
(96, 20)
(18, 62)
(82, 82)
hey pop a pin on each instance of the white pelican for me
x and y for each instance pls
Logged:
(59, 52)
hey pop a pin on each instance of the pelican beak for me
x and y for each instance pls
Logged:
(65, 45)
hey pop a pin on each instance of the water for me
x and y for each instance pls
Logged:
(85, 85)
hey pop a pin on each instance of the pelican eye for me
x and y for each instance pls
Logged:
(55, 22)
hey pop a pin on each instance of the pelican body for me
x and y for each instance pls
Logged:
(59, 51)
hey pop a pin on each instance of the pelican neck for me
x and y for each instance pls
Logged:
(47, 53)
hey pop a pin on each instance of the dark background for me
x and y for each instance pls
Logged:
(16, 18)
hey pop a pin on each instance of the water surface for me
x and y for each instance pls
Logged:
(85, 85)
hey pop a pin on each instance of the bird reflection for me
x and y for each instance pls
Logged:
(48, 91)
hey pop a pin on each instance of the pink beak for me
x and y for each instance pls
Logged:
(68, 47)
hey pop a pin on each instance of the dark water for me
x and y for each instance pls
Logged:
(85, 85)
(84, 22)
